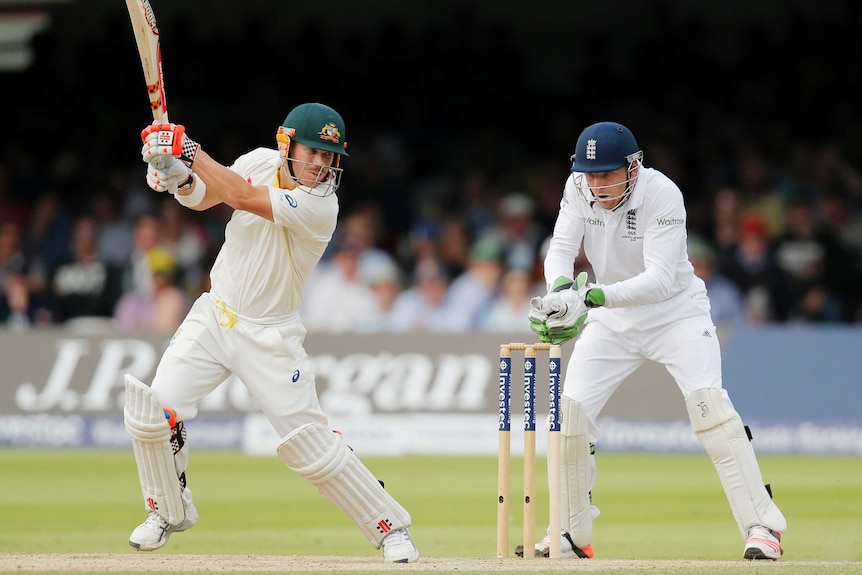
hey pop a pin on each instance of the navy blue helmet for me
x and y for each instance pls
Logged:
(605, 147)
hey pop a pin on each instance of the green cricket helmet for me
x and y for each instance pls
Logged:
(317, 126)
(321, 128)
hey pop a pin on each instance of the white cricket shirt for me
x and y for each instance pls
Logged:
(638, 253)
(261, 269)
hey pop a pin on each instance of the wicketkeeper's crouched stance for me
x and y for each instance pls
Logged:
(247, 324)
(647, 304)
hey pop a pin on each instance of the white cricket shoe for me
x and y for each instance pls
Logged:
(567, 548)
(763, 543)
(398, 547)
(154, 532)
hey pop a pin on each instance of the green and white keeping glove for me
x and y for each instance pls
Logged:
(540, 307)
(570, 313)
(559, 327)
(559, 315)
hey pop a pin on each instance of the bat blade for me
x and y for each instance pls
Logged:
(147, 39)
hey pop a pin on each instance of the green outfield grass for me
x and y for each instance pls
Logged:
(653, 506)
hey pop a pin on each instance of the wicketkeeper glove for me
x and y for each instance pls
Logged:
(559, 315)
(594, 297)
(168, 140)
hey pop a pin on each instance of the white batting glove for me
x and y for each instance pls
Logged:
(168, 140)
(173, 176)
(154, 154)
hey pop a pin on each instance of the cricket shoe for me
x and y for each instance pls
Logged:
(567, 548)
(154, 532)
(398, 547)
(763, 543)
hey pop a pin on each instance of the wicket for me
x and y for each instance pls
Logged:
(504, 450)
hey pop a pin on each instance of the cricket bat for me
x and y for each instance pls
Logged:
(147, 38)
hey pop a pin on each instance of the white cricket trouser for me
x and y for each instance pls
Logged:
(268, 357)
(603, 358)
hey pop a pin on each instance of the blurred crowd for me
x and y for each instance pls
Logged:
(456, 168)
(136, 261)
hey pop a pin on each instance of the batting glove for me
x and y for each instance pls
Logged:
(175, 175)
(168, 140)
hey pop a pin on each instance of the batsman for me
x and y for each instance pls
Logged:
(285, 211)
(646, 304)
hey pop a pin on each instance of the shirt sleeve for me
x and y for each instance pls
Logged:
(303, 214)
(565, 244)
(664, 242)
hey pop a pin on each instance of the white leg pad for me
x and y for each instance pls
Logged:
(151, 440)
(324, 460)
(720, 431)
(576, 470)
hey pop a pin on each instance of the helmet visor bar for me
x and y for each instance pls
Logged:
(315, 179)
(594, 194)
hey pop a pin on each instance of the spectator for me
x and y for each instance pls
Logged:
(421, 243)
(161, 311)
(187, 240)
(384, 279)
(453, 245)
(336, 298)
(16, 312)
(517, 231)
(725, 298)
(420, 307)
(471, 293)
(136, 274)
(361, 229)
(508, 309)
(84, 286)
(46, 240)
(750, 264)
(814, 263)
(843, 221)
(724, 226)
(14, 293)
(12, 258)
(759, 195)
(115, 234)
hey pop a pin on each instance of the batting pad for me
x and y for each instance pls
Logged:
(151, 441)
(575, 460)
(324, 460)
(720, 431)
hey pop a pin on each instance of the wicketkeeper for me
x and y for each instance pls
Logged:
(247, 324)
(646, 304)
